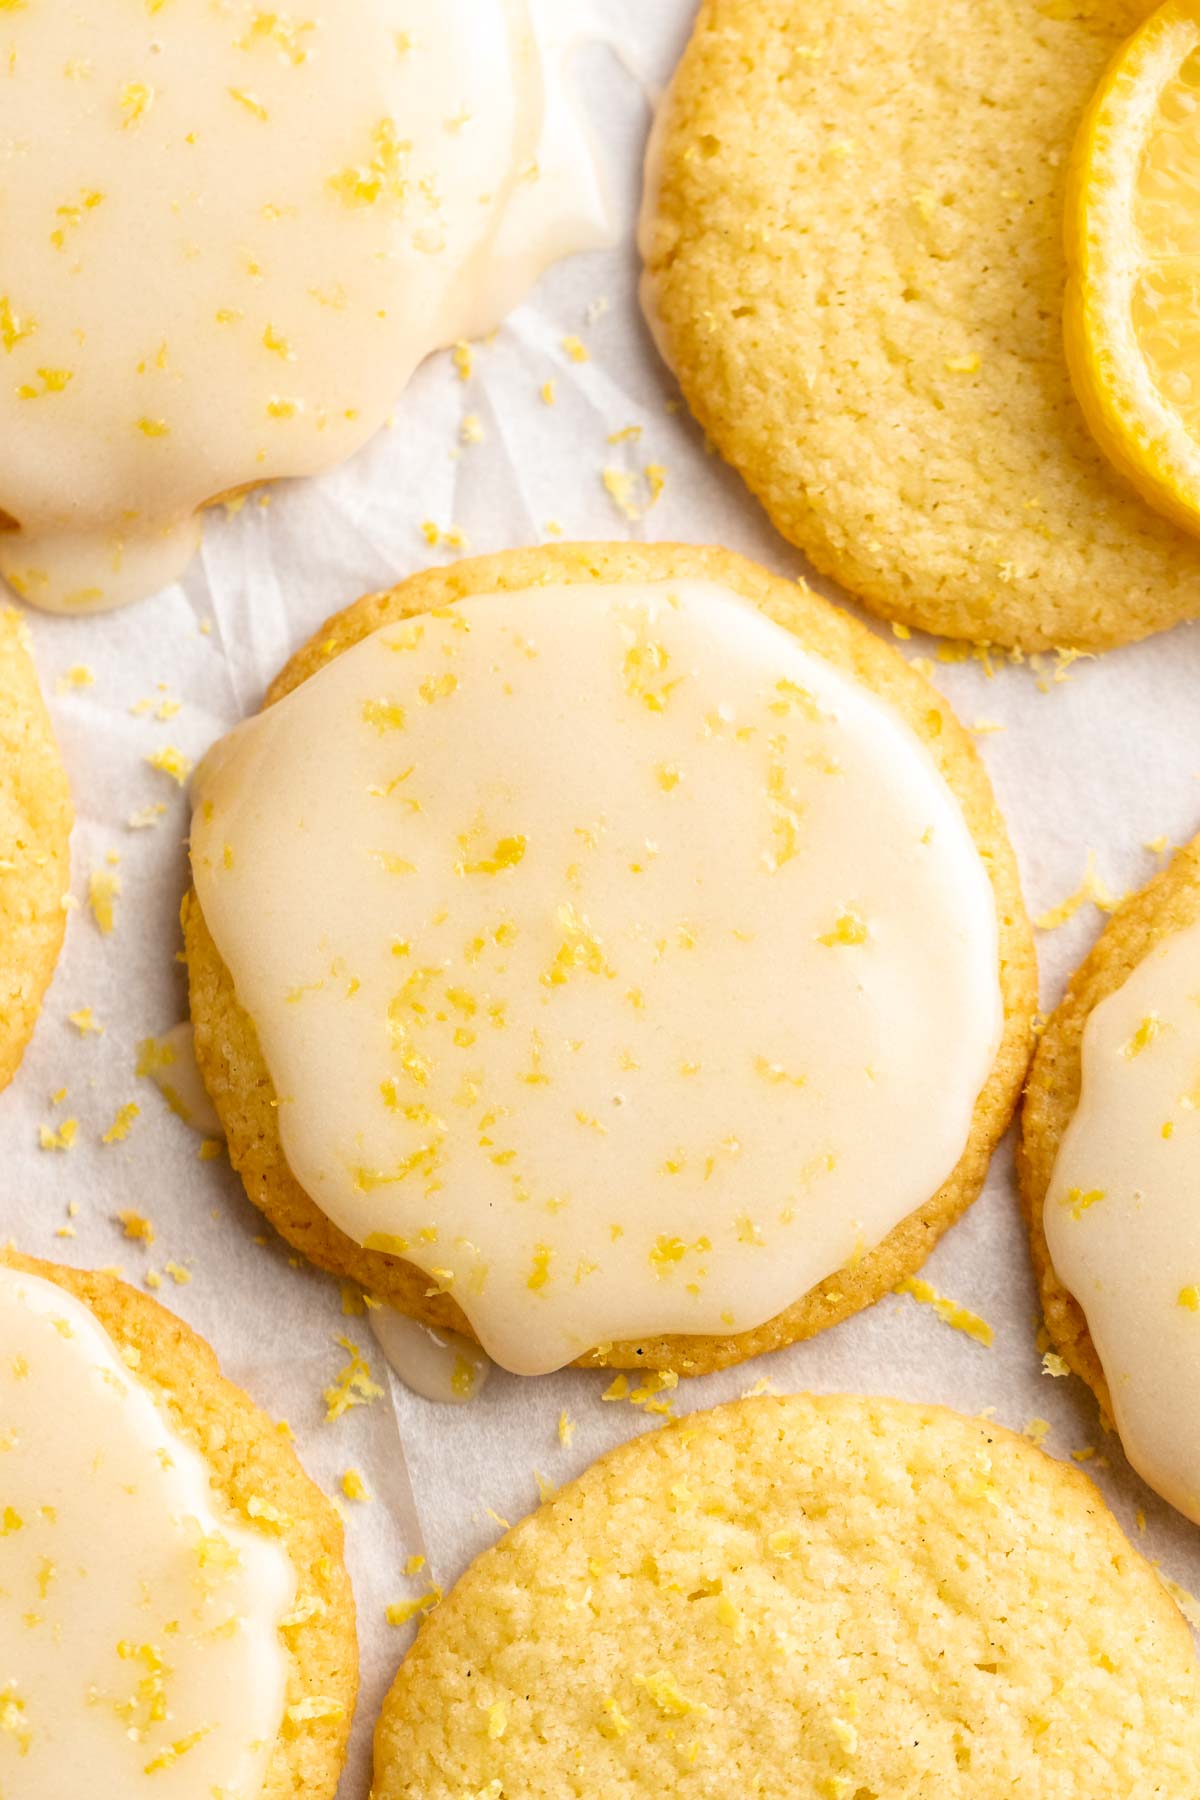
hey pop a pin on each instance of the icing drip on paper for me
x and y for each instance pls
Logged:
(438, 1365)
(170, 1062)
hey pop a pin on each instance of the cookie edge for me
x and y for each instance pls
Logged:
(1053, 1087)
(36, 765)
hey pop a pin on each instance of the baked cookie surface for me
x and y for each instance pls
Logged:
(859, 283)
(35, 830)
(814, 1595)
(238, 1079)
(1143, 927)
(261, 1487)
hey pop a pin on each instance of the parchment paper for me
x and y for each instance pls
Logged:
(1102, 756)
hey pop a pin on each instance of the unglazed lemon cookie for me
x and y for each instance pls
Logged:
(853, 237)
(827, 1596)
(175, 1616)
(613, 949)
(1110, 1169)
(35, 830)
(232, 233)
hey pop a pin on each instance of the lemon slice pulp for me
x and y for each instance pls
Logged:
(1132, 317)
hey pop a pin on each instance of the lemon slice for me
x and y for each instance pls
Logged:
(1132, 324)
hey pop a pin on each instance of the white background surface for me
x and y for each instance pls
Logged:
(1104, 760)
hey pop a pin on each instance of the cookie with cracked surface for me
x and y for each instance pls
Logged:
(858, 281)
(830, 1595)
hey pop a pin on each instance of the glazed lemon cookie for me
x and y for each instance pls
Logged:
(827, 1596)
(1110, 1165)
(232, 233)
(858, 280)
(613, 949)
(35, 830)
(174, 1611)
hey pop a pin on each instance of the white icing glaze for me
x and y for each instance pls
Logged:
(1121, 1216)
(231, 235)
(139, 1627)
(438, 1365)
(620, 963)
(172, 1067)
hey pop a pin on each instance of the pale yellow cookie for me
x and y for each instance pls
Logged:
(35, 829)
(1167, 904)
(856, 1599)
(854, 262)
(238, 1080)
(257, 1477)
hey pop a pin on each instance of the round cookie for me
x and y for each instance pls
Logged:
(1167, 904)
(250, 1461)
(830, 1596)
(854, 264)
(238, 1080)
(330, 225)
(35, 830)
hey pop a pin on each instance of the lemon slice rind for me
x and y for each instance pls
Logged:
(1133, 422)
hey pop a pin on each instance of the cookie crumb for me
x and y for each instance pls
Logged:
(104, 890)
(136, 1226)
(352, 1386)
(1091, 888)
(403, 1612)
(122, 1124)
(172, 762)
(949, 1311)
